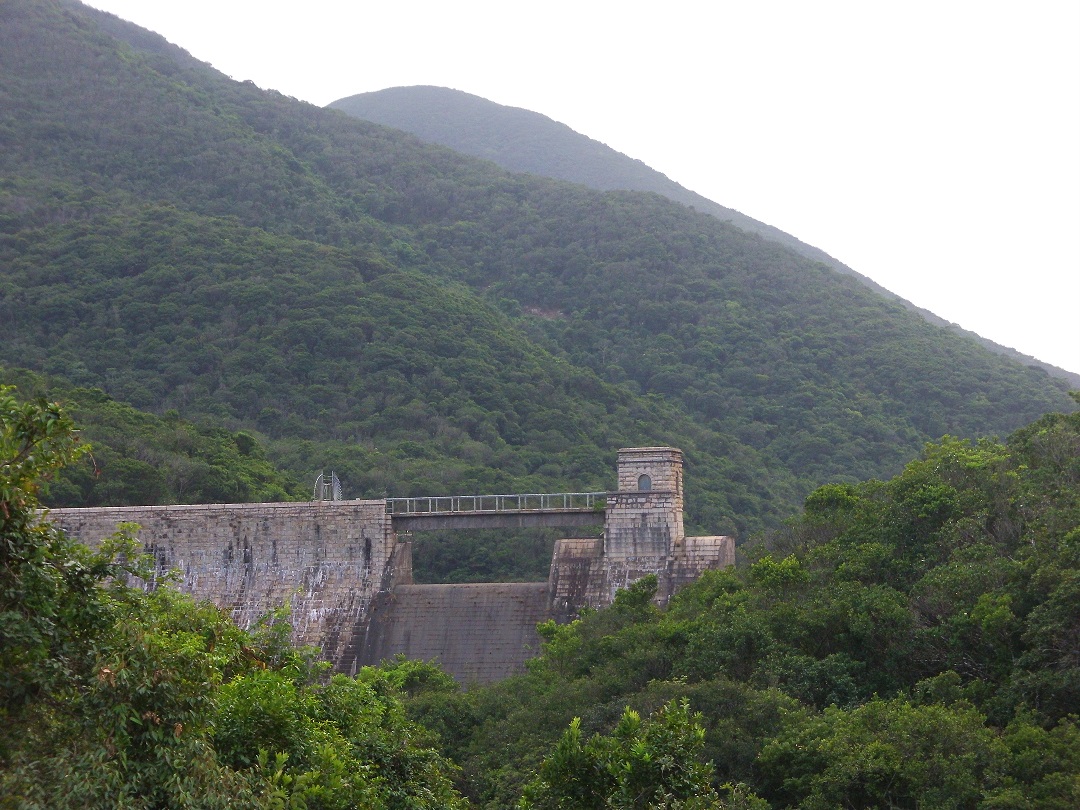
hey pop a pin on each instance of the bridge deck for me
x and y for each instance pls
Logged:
(498, 504)
(498, 511)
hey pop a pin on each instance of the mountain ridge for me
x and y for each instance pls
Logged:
(526, 141)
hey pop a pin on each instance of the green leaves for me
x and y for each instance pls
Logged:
(43, 576)
(142, 459)
(906, 643)
(36, 438)
(893, 753)
(191, 243)
(116, 697)
(647, 763)
(884, 753)
(773, 575)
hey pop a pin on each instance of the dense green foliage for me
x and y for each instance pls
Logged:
(138, 458)
(266, 274)
(425, 323)
(141, 459)
(641, 764)
(41, 580)
(907, 643)
(524, 141)
(116, 698)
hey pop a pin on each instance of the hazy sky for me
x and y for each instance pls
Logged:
(932, 146)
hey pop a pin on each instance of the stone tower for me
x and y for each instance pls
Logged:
(643, 532)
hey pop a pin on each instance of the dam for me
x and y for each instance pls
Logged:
(344, 567)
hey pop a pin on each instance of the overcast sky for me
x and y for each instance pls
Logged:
(932, 146)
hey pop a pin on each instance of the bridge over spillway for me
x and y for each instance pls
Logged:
(543, 510)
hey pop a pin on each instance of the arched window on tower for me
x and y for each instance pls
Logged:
(644, 483)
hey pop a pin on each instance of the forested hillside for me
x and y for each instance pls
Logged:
(232, 290)
(115, 697)
(424, 322)
(525, 141)
(906, 643)
(140, 459)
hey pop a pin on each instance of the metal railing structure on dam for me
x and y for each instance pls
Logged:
(498, 511)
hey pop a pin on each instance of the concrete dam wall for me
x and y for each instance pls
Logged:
(347, 576)
(478, 632)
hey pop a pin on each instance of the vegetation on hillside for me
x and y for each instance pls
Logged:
(282, 289)
(524, 141)
(902, 643)
(906, 643)
(140, 459)
(117, 698)
(425, 323)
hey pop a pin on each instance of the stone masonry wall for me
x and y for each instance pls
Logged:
(328, 559)
(640, 538)
(643, 535)
(581, 573)
(644, 525)
(698, 555)
(663, 466)
(573, 581)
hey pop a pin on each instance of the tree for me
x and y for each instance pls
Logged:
(651, 763)
(104, 692)
(44, 579)
(122, 698)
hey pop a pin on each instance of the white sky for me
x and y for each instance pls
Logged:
(932, 146)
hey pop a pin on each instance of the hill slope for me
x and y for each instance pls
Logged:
(424, 322)
(525, 141)
(139, 459)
